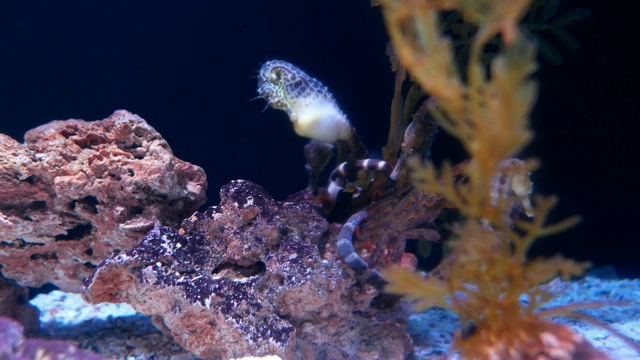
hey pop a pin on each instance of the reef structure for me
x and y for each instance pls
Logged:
(14, 345)
(76, 191)
(252, 277)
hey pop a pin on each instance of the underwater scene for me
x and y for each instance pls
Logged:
(340, 180)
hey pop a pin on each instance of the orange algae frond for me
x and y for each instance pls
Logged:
(491, 286)
(488, 113)
(486, 279)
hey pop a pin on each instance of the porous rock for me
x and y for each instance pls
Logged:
(251, 277)
(13, 345)
(76, 191)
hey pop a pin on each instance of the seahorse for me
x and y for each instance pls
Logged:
(309, 104)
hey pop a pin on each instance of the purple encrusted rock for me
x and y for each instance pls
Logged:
(251, 276)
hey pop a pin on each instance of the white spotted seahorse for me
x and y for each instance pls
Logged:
(309, 104)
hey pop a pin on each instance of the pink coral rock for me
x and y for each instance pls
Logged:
(14, 303)
(252, 277)
(76, 191)
(13, 345)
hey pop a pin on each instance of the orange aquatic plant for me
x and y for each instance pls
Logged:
(487, 278)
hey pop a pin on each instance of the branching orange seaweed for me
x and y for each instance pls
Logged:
(487, 278)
